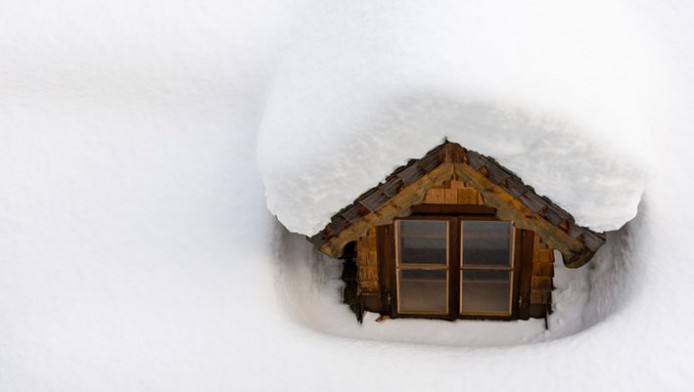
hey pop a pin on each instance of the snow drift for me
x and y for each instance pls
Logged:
(558, 94)
(137, 249)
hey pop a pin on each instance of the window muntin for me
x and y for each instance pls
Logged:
(422, 261)
(486, 276)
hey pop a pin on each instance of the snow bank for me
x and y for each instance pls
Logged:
(309, 286)
(310, 289)
(137, 248)
(559, 94)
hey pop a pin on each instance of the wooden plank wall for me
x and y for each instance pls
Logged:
(453, 192)
(367, 269)
(456, 192)
(541, 280)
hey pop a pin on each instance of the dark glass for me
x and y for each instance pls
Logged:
(422, 291)
(423, 242)
(486, 243)
(485, 291)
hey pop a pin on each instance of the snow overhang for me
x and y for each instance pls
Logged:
(502, 189)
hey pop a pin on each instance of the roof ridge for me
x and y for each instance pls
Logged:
(371, 201)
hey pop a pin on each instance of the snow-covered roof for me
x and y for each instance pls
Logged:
(564, 103)
(379, 206)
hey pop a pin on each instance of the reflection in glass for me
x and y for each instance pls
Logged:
(423, 242)
(486, 291)
(486, 243)
(422, 266)
(423, 291)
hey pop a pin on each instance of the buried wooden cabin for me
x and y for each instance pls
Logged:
(454, 235)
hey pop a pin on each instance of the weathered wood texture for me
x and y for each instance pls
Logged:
(524, 265)
(386, 261)
(508, 208)
(454, 174)
(534, 265)
(541, 281)
(367, 264)
(453, 209)
(453, 192)
(397, 206)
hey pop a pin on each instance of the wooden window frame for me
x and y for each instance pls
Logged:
(510, 269)
(454, 292)
(397, 266)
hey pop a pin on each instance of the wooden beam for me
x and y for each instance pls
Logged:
(524, 269)
(398, 206)
(522, 208)
(456, 209)
(508, 208)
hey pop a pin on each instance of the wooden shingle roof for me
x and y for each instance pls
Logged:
(514, 200)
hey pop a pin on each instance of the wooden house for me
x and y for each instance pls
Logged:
(454, 235)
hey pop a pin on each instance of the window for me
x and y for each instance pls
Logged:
(486, 268)
(427, 250)
(422, 266)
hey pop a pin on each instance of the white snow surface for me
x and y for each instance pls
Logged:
(563, 94)
(138, 140)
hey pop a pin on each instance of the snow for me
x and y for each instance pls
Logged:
(387, 89)
(139, 141)
(311, 288)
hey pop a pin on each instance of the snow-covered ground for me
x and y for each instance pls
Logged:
(139, 140)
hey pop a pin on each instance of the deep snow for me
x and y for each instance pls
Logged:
(137, 252)
(311, 290)
(552, 91)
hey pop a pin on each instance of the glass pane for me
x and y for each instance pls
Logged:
(423, 242)
(486, 243)
(422, 291)
(486, 292)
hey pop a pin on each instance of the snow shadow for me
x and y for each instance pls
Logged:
(601, 186)
(307, 179)
(309, 288)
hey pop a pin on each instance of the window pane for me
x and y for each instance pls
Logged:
(423, 242)
(486, 292)
(486, 243)
(422, 291)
